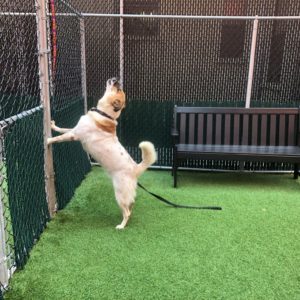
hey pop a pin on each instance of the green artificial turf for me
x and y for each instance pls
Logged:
(249, 250)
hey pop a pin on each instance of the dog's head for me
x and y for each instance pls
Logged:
(113, 100)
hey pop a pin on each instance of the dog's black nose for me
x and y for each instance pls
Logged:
(114, 82)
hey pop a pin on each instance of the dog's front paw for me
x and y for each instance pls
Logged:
(53, 126)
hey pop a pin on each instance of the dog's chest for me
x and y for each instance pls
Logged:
(88, 132)
(103, 146)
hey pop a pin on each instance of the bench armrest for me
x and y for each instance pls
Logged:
(298, 140)
(175, 135)
(174, 132)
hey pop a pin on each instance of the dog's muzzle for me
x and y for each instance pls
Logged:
(115, 82)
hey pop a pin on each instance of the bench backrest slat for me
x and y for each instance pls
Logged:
(191, 132)
(227, 133)
(254, 136)
(291, 125)
(200, 129)
(282, 130)
(236, 132)
(245, 135)
(263, 130)
(182, 128)
(209, 129)
(237, 126)
(273, 130)
(218, 129)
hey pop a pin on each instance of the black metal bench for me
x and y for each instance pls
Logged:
(236, 134)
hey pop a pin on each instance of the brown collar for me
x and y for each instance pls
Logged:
(106, 125)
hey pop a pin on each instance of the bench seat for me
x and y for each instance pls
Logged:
(240, 152)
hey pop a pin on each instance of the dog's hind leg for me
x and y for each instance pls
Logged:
(125, 193)
(126, 214)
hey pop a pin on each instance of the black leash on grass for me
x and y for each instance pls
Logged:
(178, 205)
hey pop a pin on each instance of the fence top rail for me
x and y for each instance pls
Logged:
(30, 14)
(72, 14)
(191, 16)
(10, 120)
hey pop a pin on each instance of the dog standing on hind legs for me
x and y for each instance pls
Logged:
(97, 133)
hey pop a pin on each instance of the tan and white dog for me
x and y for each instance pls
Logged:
(97, 133)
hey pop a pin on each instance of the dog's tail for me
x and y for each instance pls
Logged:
(148, 156)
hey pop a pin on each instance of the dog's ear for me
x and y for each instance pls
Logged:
(117, 105)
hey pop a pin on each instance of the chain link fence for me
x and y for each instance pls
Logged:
(23, 200)
(23, 205)
(163, 61)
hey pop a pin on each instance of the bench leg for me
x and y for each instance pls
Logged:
(175, 172)
(173, 160)
(296, 171)
(174, 167)
(175, 176)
